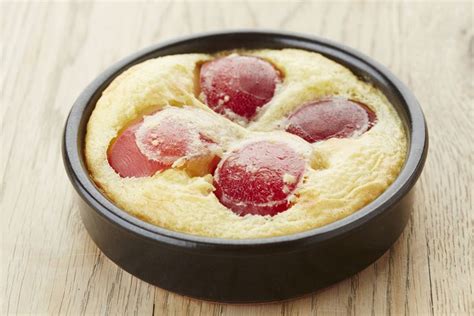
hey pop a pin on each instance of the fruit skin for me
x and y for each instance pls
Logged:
(166, 141)
(332, 117)
(258, 178)
(127, 160)
(141, 151)
(238, 84)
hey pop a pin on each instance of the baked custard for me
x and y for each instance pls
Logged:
(243, 144)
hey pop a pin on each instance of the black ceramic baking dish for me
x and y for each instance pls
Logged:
(250, 270)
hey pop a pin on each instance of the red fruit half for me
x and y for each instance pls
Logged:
(239, 84)
(258, 178)
(331, 117)
(143, 148)
(126, 159)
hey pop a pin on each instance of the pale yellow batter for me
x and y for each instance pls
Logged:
(342, 175)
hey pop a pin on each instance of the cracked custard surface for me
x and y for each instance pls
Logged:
(339, 176)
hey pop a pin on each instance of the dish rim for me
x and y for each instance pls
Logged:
(85, 186)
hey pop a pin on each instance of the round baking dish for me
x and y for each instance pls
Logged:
(250, 270)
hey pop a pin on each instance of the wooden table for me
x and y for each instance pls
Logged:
(51, 51)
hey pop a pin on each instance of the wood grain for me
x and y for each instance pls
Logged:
(51, 50)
